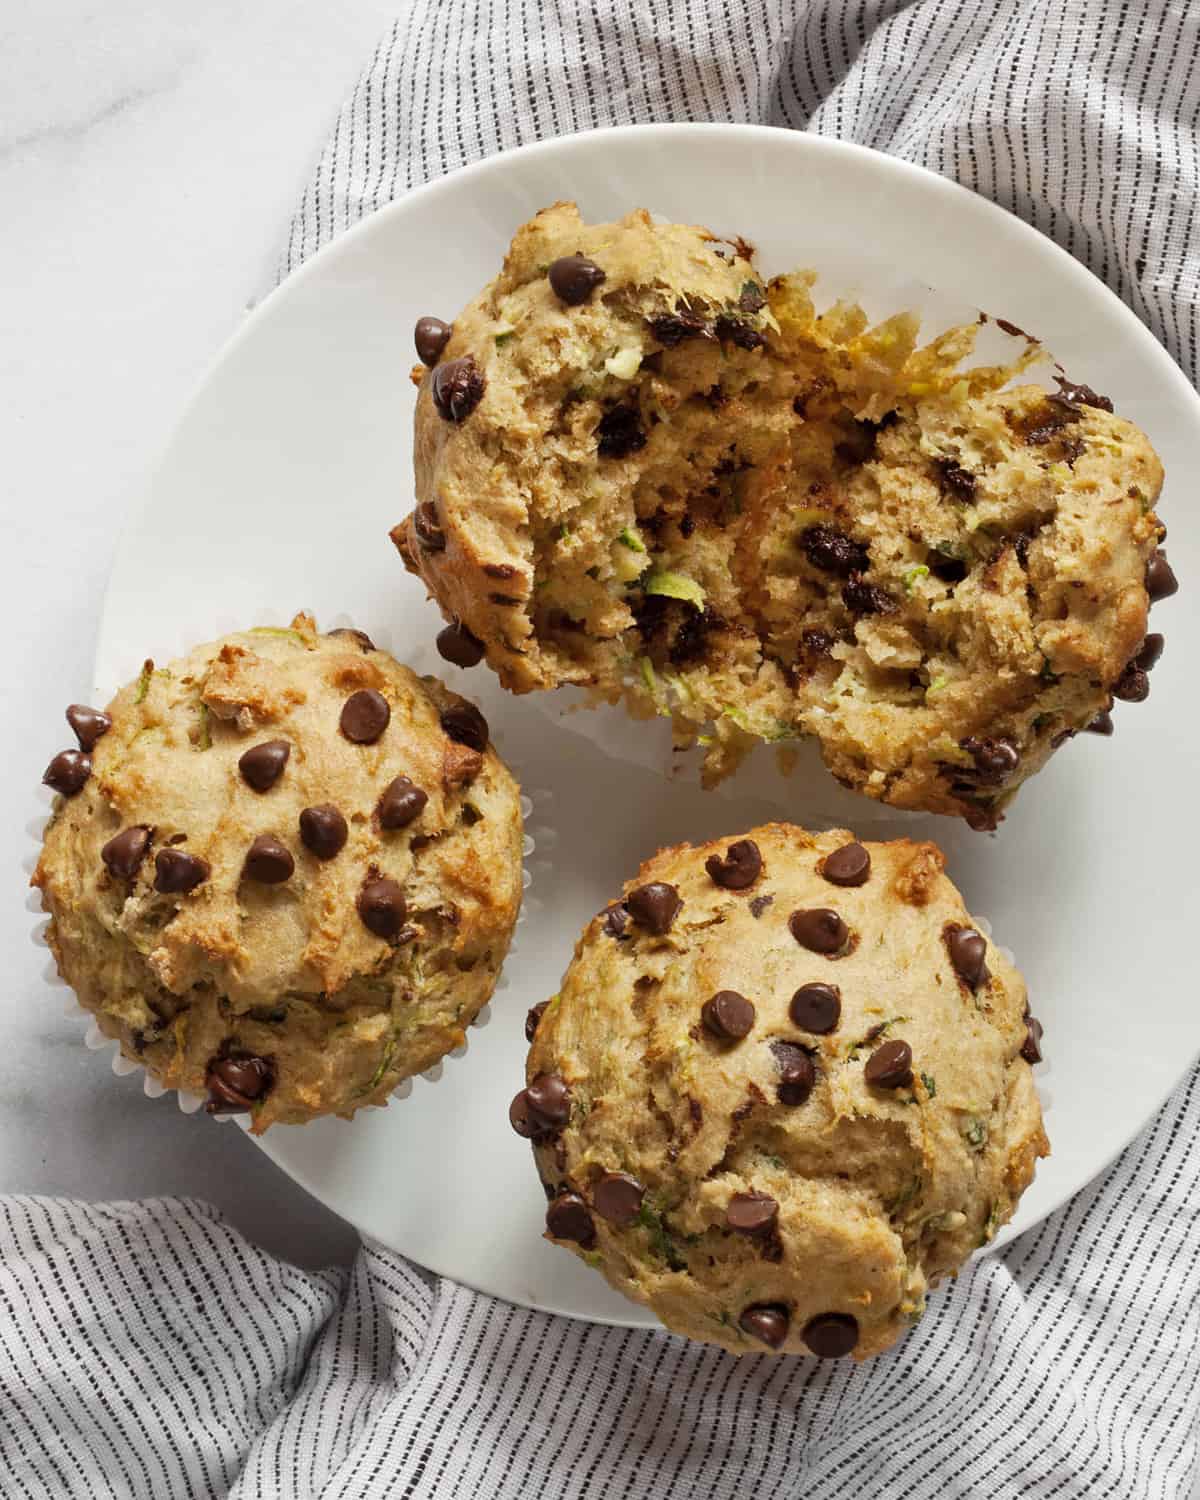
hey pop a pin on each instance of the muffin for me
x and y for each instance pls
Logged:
(283, 870)
(644, 470)
(785, 1088)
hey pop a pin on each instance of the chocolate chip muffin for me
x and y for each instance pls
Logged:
(644, 470)
(784, 1089)
(283, 870)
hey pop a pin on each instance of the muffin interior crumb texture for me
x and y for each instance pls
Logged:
(643, 469)
(785, 1088)
(283, 871)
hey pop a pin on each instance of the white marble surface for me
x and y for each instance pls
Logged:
(150, 157)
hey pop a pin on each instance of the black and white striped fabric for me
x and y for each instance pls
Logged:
(148, 1350)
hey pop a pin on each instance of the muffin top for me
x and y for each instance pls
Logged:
(289, 871)
(643, 469)
(784, 1088)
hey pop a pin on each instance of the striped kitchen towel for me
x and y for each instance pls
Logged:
(148, 1350)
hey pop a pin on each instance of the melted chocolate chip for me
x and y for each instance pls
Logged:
(548, 1101)
(995, 759)
(1082, 395)
(797, 1073)
(456, 644)
(617, 1197)
(457, 388)
(890, 1066)
(568, 1218)
(955, 481)
(381, 907)
(68, 772)
(125, 851)
(268, 861)
(833, 551)
(616, 919)
(671, 329)
(948, 569)
(968, 953)
(535, 1014)
(177, 873)
(1161, 582)
(752, 298)
(654, 906)
(817, 642)
(401, 804)
(89, 724)
(831, 1335)
(728, 1016)
(1101, 724)
(1149, 652)
(464, 724)
(573, 279)
(1047, 421)
(862, 598)
(428, 528)
(740, 868)
(620, 433)
(431, 336)
(816, 1008)
(235, 1082)
(767, 1322)
(365, 715)
(731, 330)
(262, 765)
(1031, 1047)
(690, 641)
(323, 830)
(849, 865)
(819, 929)
(751, 1213)
(361, 636)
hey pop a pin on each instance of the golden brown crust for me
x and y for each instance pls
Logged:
(880, 1191)
(287, 972)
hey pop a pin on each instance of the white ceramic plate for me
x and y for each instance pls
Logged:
(277, 491)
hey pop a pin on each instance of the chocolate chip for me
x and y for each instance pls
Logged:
(740, 868)
(752, 298)
(456, 644)
(268, 861)
(728, 1016)
(1146, 659)
(654, 906)
(995, 759)
(731, 330)
(619, 432)
(361, 636)
(849, 865)
(767, 1322)
(262, 765)
(548, 1101)
(428, 528)
(568, 1218)
(68, 772)
(236, 1081)
(365, 716)
(816, 1008)
(617, 1197)
(751, 1213)
(457, 388)
(401, 804)
(616, 919)
(176, 873)
(968, 954)
(1101, 724)
(797, 1072)
(867, 599)
(381, 906)
(431, 336)
(816, 642)
(573, 278)
(1133, 685)
(500, 570)
(534, 1016)
(830, 1335)
(819, 929)
(833, 551)
(948, 569)
(671, 329)
(1081, 395)
(955, 481)
(125, 851)
(1031, 1047)
(1161, 582)
(89, 724)
(466, 725)
(890, 1066)
(323, 830)
(759, 905)
(519, 1117)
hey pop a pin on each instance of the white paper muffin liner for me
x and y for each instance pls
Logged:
(537, 835)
